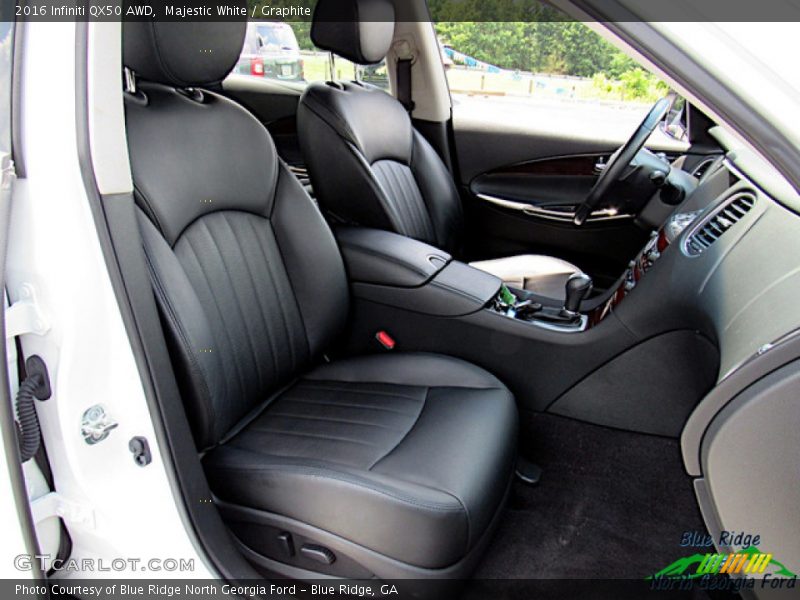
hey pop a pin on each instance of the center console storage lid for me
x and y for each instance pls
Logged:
(386, 258)
(456, 290)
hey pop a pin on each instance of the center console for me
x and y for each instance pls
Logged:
(575, 316)
(553, 354)
(394, 270)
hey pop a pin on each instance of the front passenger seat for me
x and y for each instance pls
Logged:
(369, 166)
(391, 465)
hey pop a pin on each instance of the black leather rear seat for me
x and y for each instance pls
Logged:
(400, 461)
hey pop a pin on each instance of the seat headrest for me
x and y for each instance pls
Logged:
(359, 30)
(182, 54)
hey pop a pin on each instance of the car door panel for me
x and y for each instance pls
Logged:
(558, 181)
(540, 171)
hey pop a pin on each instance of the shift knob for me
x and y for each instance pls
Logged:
(578, 287)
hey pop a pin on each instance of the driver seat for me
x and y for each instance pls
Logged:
(369, 166)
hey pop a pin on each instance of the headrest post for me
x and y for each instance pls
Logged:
(332, 65)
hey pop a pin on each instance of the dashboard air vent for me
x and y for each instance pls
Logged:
(723, 218)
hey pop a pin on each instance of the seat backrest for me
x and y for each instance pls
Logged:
(246, 272)
(367, 163)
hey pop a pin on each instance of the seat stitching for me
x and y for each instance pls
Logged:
(421, 205)
(437, 387)
(407, 194)
(377, 174)
(410, 429)
(270, 333)
(258, 429)
(236, 298)
(257, 296)
(326, 386)
(401, 206)
(281, 279)
(405, 435)
(329, 420)
(347, 405)
(284, 319)
(207, 281)
(360, 483)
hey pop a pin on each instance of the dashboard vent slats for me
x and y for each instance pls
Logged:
(714, 226)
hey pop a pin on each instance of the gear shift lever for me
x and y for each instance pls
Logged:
(577, 288)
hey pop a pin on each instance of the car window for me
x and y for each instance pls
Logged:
(283, 51)
(556, 70)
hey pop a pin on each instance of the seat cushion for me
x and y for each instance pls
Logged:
(408, 455)
(542, 275)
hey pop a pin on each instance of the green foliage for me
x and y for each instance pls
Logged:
(524, 35)
(558, 47)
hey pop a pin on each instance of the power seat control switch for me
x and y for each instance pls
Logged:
(318, 554)
(286, 543)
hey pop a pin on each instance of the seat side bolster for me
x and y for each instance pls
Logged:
(439, 193)
(313, 262)
(340, 174)
(432, 370)
(187, 334)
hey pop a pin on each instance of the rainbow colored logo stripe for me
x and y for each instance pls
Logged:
(750, 561)
(734, 563)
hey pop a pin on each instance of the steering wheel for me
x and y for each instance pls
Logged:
(620, 160)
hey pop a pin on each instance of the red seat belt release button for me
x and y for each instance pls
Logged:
(385, 340)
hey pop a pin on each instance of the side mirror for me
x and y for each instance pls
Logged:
(674, 123)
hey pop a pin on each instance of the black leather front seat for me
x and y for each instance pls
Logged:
(369, 166)
(393, 465)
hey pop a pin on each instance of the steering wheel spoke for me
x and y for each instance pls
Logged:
(617, 164)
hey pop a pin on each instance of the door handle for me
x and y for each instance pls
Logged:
(560, 212)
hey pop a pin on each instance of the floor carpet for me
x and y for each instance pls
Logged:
(610, 505)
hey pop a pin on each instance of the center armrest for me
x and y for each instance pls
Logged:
(394, 270)
(386, 258)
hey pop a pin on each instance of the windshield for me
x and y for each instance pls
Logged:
(275, 37)
(755, 60)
